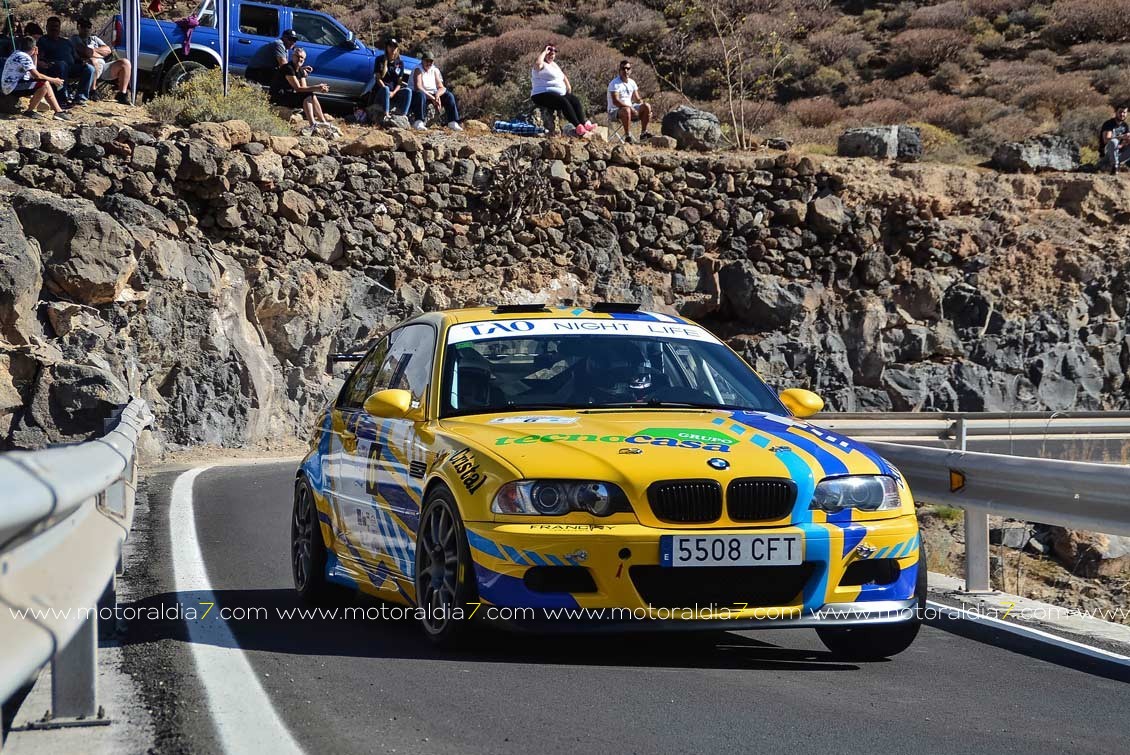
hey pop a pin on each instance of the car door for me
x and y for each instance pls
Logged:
(254, 26)
(352, 476)
(336, 60)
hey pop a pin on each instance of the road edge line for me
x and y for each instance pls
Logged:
(240, 708)
(1031, 633)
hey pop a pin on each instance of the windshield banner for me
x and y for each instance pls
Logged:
(478, 331)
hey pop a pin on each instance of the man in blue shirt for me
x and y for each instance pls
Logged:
(57, 58)
(269, 58)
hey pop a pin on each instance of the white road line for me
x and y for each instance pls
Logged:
(1032, 634)
(240, 708)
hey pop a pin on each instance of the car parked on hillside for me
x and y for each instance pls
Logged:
(338, 58)
(601, 468)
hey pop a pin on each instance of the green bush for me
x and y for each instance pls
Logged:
(201, 99)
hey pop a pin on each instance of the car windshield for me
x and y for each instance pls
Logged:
(528, 365)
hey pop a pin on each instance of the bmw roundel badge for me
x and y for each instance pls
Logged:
(718, 464)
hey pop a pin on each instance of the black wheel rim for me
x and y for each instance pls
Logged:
(437, 568)
(302, 538)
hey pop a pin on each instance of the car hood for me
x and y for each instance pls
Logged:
(636, 447)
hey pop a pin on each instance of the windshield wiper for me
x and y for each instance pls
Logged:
(514, 407)
(654, 404)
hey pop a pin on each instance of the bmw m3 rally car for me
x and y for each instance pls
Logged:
(600, 468)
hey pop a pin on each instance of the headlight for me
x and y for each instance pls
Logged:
(863, 492)
(558, 497)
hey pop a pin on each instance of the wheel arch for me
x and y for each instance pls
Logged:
(206, 56)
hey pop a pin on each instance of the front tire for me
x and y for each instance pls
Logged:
(308, 554)
(876, 642)
(445, 575)
(179, 72)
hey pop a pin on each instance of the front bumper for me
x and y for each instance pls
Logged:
(623, 562)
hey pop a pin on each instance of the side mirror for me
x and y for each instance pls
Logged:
(350, 42)
(800, 402)
(393, 403)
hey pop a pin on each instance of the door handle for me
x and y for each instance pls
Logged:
(244, 41)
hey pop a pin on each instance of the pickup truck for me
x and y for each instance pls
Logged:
(339, 59)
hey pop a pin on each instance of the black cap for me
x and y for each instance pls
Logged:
(84, 23)
(392, 42)
(290, 34)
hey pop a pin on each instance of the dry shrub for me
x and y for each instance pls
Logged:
(1108, 78)
(201, 99)
(1093, 55)
(1017, 74)
(817, 112)
(884, 112)
(962, 115)
(1082, 125)
(926, 49)
(553, 22)
(948, 15)
(1010, 128)
(1060, 94)
(631, 20)
(829, 47)
(992, 8)
(949, 78)
(1088, 20)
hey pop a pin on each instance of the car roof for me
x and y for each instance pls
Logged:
(480, 314)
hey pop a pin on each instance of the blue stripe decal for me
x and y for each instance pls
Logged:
(535, 558)
(882, 553)
(554, 560)
(638, 316)
(780, 428)
(801, 473)
(760, 440)
(817, 551)
(515, 556)
(480, 543)
(853, 536)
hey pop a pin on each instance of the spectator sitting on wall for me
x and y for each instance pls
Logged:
(20, 76)
(624, 102)
(57, 59)
(389, 85)
(427, 87)
(291, 90)
(550, 88)
(1114, 139)
(92, 49)
(271, 57)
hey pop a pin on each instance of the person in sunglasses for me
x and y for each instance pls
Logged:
(624, 102)
(551, 89)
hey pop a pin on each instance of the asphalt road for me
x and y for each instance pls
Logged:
(378, 686)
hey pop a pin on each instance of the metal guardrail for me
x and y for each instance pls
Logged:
(1080, 495)
(64, 514)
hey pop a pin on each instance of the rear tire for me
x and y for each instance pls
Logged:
(876, 642)
(308, 553)
(179, 72)
(445, 575)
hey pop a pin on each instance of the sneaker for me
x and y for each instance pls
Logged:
(34, 114)
(1114, 170)
(61, 116)
(581, 130)
(645, 135)
(80, 101)
(629, 140)
(420, 126)
(454, 126)
(122, 98)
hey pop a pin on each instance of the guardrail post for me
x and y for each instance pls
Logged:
(74, 674)
(976, 534)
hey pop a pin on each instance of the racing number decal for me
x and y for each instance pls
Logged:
(372, 484)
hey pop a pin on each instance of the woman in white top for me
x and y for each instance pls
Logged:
(427, 83)
(551, 89)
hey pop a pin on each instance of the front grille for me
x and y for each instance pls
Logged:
(754, 499)
(686, 501)
(756, 586)
(577, 579)
(878, 571)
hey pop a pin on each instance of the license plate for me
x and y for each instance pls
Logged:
(731, 550)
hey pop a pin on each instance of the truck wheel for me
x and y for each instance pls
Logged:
(180, 72)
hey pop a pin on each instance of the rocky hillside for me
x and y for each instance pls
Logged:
(213, 271)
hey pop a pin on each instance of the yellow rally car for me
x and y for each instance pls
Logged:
(601, 468)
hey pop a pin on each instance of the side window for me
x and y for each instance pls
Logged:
(259, 20)
(408, 365)
(317, 29)
(359, 385)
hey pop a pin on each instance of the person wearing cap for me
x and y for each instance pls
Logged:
(57, 59)
(94, 51)
(270, 58)
(389, 86)
(428, 88)
(551, 89)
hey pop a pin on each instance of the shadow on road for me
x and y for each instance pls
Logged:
(270, 620)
